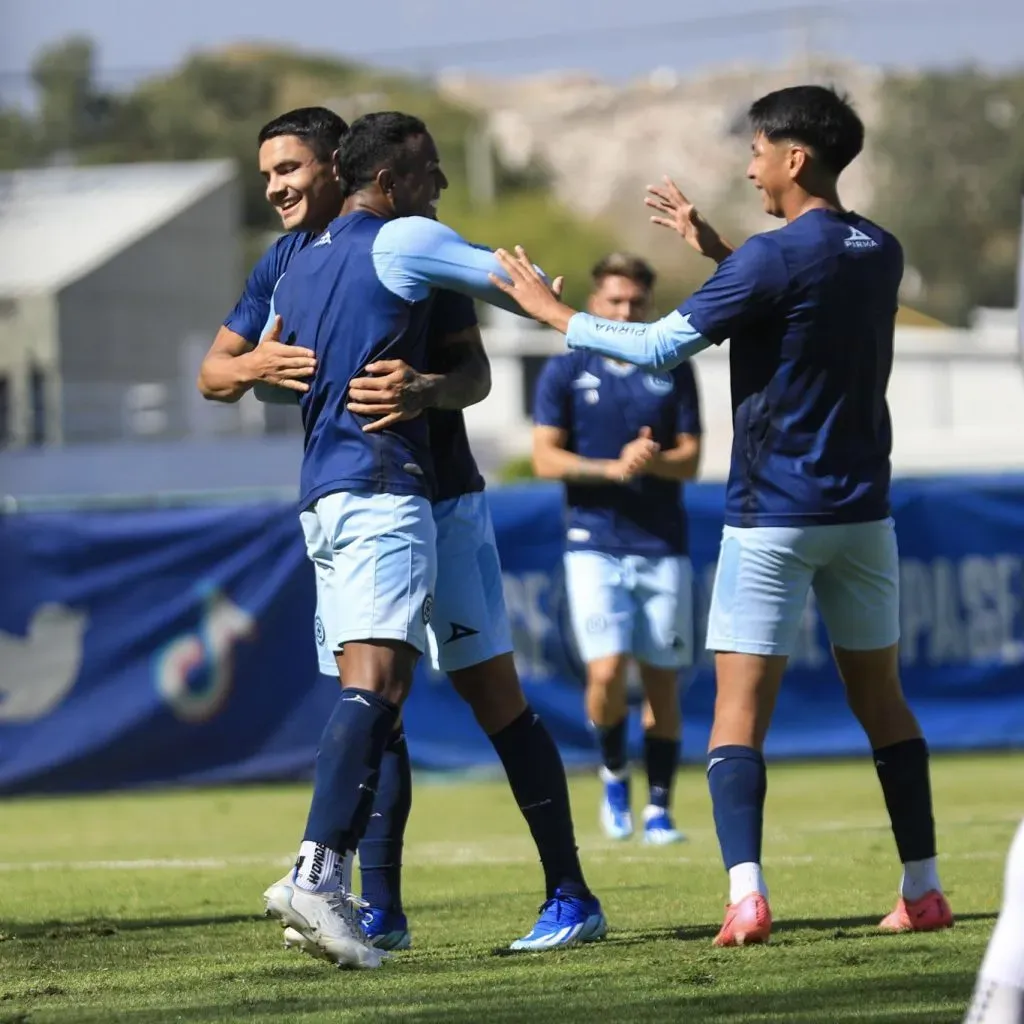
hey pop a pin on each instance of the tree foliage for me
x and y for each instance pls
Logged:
(214, 105)
(950, 151)
(948, 148)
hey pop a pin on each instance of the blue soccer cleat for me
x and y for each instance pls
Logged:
(659, 829)
(565, 921)
(386, 929)
(616, 817)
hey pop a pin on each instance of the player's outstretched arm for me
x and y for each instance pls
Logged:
(658, 346)
(676, 212)
(414, 254)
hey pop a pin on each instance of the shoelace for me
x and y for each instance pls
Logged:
(552, 908)
(350, 908)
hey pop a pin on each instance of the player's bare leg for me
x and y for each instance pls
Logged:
(492, 691)
(875, 696)
(747, 686)
(662, 721)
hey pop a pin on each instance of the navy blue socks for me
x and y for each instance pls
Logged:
(738, 783)
(380, 849)
(661, 757)
(903, 772)
(348, 768)
(537, 778)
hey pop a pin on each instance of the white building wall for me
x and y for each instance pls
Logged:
(956, 398)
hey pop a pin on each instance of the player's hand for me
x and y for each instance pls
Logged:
(529, 289)
(390, 390)
(287, 366)
(675, 211)
(635, 456)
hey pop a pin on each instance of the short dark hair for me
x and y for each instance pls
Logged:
(817, 116)
(319, 128)
(621, 264)
(376, 141)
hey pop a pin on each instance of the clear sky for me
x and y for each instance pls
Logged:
(524, 36)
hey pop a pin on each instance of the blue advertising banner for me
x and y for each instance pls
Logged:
(176, 645)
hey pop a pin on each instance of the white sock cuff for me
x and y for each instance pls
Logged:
(317, 867)
(745, 879)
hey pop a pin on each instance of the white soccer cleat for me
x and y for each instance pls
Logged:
(296, 940)
(328, 923)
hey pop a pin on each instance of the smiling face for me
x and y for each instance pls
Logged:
(774, 168)
(415, 191)
(302, 188)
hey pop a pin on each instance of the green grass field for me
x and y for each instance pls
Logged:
(146, 908)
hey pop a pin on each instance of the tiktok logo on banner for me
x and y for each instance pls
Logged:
(194, 673)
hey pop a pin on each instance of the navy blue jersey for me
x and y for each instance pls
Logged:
(332, 300)
(809, 311)
(456, 468)
(250, 313)
(602, 406)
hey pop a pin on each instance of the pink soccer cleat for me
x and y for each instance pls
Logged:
(930, 913)
(746, 922)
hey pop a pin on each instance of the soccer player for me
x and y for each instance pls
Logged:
(474, 646)
(623, 441)
(999, 994)
(809, 310)
(297, 153)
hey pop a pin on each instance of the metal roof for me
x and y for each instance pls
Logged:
(59, 223)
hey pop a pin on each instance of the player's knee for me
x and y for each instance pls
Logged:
(607, 674)
(871, 679)
(875, 694)
(492, 691)
(746, 687)
(384, 667)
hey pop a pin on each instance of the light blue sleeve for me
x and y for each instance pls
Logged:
(658, 346)
(273, 309)
(412, 255)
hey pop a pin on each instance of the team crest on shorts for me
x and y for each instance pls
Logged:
(428, 608)
(321, 635)
(658, 383)
(597, 624)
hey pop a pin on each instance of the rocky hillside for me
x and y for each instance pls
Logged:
(601, 143)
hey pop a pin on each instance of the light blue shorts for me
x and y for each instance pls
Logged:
(470, 622)
(765, 574)
(628, 604)
(376, 562)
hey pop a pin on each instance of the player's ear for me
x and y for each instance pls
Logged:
(797, 161)
(386, 181)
